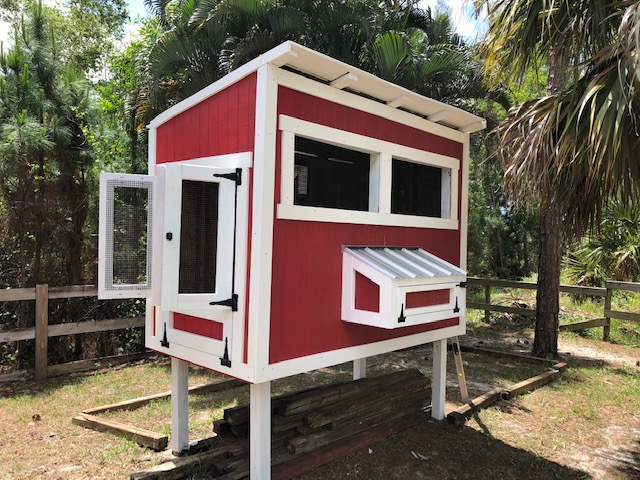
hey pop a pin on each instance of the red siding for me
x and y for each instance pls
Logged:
(307, 256)
(428, 298)
(306, 107)
(219, 125)
(367, 294)
(197, 326)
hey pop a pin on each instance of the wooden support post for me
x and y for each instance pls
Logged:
(359, 368)
(487, 300)
(439, 379)
(260, 431)
(42, 330)
(179, 405)
(606, 330)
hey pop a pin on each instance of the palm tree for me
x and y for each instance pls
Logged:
(399, 42)
(572, 149)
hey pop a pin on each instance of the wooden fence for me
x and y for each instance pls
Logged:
(606, 292)
(42, 330)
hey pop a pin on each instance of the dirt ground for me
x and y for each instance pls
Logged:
(584, 425)
(489, 449)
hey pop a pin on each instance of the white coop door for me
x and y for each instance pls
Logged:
(198, 243)
(125, 235)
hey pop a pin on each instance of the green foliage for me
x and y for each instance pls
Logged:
(610, 253)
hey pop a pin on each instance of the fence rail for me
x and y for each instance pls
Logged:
(606, 292)
(42, 330)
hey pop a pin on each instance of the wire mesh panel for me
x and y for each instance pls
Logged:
(126, 206)
(198, 237)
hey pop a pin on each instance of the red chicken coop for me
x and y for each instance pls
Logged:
(298, 213)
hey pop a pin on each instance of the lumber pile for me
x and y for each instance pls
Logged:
(314, 419)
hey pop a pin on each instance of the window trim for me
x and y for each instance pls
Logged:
(382, 154)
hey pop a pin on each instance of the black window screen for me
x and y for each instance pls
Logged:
(198, 237)
(330, 176)
(416, 189)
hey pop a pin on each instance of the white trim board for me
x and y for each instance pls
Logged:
(335, 357)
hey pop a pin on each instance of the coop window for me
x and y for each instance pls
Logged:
(125, 229)
(416, 189)
(198, 237)
(330, 176)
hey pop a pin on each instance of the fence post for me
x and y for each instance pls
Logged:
(606, 330)
(487, 300)
(42, 330)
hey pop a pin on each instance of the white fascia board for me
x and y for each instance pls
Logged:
(277, 56)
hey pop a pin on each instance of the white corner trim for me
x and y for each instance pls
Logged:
(262, 218)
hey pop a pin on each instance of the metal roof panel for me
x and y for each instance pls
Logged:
(405, 262)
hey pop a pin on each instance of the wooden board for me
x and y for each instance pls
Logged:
(139, 402)
(594, 322)
(141, 436)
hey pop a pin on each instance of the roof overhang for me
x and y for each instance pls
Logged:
(341, 76)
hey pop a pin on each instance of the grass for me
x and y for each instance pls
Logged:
(589, 414)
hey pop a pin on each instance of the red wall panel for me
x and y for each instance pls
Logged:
(307, 256)
(219, 125)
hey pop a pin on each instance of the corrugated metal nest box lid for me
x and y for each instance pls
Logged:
(405, 262)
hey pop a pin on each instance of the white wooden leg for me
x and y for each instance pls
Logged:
(179, 405)
(359, 368)
(260, 431)
(439, 379)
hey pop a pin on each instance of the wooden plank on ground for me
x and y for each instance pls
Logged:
(306, 463)
(460, 415)
(139, 435)
(19, 376)
(93, 364)
(594, 322)
(501, 354)
(309, 401)
(197, 464)
(530, 384)
(139, 402)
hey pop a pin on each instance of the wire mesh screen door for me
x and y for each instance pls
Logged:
(125, 235)
(198, 237)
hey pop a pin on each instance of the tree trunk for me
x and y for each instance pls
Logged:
(545, 343)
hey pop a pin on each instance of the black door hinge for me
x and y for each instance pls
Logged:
(164, 342)
(236, 177)
(462, 284)
(456, 309)
(402, 318)
(229, 302)
(225, 361)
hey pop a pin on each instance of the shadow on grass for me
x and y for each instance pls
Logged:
(627, 462)
(433, 450)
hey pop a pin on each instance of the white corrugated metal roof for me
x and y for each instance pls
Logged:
(339, 75)
(405, 262)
